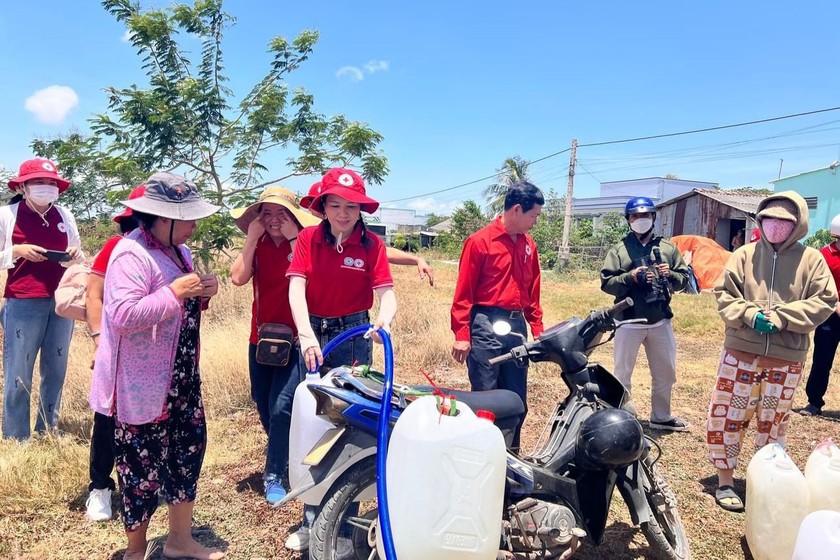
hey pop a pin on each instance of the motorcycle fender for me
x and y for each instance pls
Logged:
(348, 449)
(632, 488)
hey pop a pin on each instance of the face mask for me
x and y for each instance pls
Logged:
(776, 230)
(642, 225)
(42, 194)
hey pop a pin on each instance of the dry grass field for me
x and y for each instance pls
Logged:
(43, 483)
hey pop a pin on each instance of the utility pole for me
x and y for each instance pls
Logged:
(567, 221)
(781, 161)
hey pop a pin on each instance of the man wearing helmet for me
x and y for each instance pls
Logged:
(827, 335)
(647, 268)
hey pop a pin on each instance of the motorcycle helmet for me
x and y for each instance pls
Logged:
(609, 438)
(834, 228)
(639, 205)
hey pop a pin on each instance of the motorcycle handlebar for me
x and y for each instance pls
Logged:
(613, 311)
(500, 359)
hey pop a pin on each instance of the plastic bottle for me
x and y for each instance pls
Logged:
(446, 482)
(777, 501)
(819, 537)
(820, 456)
(306, 428)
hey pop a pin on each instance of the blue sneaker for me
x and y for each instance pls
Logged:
(274, 491)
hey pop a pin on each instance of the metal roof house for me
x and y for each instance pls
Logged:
(615, 194)
(821, 190)
(712, 213)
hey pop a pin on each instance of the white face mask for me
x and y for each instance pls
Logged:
(42, 195)
(642, 225)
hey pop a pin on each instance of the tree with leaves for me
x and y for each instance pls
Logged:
(466, 220)
(514, 169)
(187, 119)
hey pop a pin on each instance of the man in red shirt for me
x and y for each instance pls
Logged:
(499, 279)
(827, 335)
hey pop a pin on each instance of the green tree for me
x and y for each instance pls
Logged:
(187, 119)
(548, 231)
(820, 239)
(6, 193)
(514, 169)
(466, 220)
(434, 219)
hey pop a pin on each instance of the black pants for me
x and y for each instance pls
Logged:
(826, 339)
(485, 344)
(102, 453)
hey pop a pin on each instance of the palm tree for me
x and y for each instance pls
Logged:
(514, 169)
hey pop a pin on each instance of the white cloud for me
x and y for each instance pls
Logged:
(429, 205)
(51, 104)
(126, 37)
(352, 72)
(376, 66)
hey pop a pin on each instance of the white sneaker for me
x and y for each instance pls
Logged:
(99, 505)
(299, 540)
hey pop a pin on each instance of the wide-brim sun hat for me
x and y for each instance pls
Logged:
(38, 168)
(172, 196)
(273, 195)
(137, 192)
(314, 192)
(347, 184)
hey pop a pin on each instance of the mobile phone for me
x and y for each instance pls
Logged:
(60, 256)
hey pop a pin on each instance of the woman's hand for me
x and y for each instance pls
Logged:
(313, 358)
(379, 324)
(255, 229)
(74, 252)
(288, 227)
(187, 286)
(209, 285)
(32, 253)
(425, 271)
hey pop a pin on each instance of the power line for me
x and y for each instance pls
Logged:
(625, 141)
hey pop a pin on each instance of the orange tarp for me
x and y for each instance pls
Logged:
(705, 255)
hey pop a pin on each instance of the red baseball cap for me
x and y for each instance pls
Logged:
(314, 192)
(38, 168)
(347, 184)
(128, 212)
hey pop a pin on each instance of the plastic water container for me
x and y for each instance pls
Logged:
(306, 428)
(819, 537)
(822, 472)
(446, 483)
(777, 501)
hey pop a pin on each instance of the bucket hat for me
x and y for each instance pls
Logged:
(347, 184)
(128, 212)
(38, 168)
(273, 195)
(171, 196)
(314, 192)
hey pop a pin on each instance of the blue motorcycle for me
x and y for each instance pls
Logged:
(555, 499)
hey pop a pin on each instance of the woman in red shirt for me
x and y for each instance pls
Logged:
(272, 225)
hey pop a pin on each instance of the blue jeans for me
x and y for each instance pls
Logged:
(273, 390)
(31, 326)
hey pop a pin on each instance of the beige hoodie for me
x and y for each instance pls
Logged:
(794, 283)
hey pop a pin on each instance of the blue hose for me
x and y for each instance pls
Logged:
(383, 430)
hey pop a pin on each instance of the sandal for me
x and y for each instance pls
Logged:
(726, 498)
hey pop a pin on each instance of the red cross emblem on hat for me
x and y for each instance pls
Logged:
(48, 166)
(345, 179)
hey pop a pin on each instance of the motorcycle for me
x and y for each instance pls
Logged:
(555, 499)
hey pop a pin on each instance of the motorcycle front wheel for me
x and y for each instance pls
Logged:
(664, 532)
(342, 530)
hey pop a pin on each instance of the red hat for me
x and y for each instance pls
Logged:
(346, 184)
(314, 192)
(755, 235)
(128, 212)
(38, 169)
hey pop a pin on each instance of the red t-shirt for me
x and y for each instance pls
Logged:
(832, 258)
(270, 265)
(100, 263)
(497, 271)
(339, 284)
(29, 279)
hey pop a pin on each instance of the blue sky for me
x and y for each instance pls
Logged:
(456, 87)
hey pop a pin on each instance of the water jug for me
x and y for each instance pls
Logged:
(306, 428)
(824, 486)
(445, 483)
(777, 501)
(820, 456)
(819, 537)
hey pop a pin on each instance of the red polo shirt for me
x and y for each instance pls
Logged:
(270, 265)
(339, 284)
(100, 263)
(497, 271)
(832, 258)
(29, 279)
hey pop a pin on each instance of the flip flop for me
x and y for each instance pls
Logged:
(726, 498)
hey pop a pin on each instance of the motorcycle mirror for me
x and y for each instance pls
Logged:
(501, 328)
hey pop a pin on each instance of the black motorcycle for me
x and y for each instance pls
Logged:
(554, 500)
